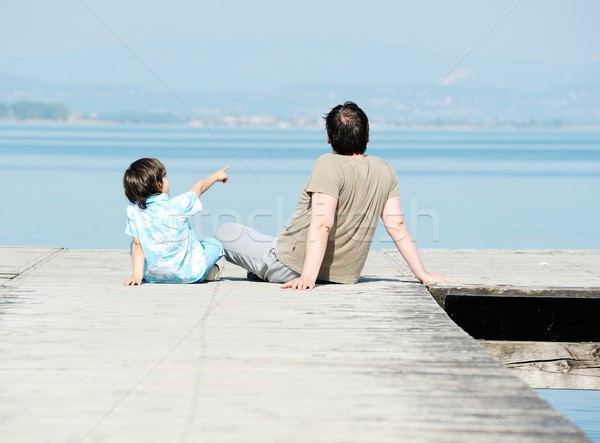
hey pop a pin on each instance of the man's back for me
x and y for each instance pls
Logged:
(362, 186)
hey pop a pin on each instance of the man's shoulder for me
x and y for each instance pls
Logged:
(339, 162)
(381, 163)
(331, 159)
(327, 157)
(375, 159)
(326, 163)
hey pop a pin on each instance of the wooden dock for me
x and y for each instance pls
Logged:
(530, 281)
(85, 359)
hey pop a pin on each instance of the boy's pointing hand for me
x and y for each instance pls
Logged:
(206, 183)
(221, 175)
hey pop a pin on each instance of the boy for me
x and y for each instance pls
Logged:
(165, 249)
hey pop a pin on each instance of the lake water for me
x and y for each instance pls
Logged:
(509, 189)
(526, 189)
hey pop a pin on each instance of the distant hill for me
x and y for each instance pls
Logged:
(451, 102)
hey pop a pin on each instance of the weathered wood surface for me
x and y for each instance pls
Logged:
(15, 260)
(550, 365)
(441, 292)
(85, 359)
(545, 274)
(510, 270)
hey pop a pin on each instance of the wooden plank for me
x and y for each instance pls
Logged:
(85, 359)
(15, 260)
(440, 292)
(549, 365)
(541, 269)
(532, 274)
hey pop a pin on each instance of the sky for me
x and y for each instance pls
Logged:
(237, 45)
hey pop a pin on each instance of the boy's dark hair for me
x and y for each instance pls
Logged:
(143, 179)
(348, 129)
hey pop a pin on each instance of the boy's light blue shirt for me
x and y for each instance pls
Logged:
(172, 250)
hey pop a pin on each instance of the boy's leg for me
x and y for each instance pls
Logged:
(254, 252)
(213, 251)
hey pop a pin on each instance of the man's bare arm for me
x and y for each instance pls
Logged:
(394, 224)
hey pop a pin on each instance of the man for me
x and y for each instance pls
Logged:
(330, 234)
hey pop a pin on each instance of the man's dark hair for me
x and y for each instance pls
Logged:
(143, 179)
(348, 129)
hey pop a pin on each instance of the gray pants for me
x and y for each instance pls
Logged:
(253, 251)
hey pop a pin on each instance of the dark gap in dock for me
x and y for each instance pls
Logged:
(543, 316)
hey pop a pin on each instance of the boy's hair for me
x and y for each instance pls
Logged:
(143, 179)
(348, 129)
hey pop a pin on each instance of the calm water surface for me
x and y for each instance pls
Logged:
(510, 189)
(460, 189)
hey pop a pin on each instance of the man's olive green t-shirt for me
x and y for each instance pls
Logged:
(362, 186)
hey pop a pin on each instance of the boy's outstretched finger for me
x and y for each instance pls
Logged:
(224, 171)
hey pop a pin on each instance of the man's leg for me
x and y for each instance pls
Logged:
(253, 251)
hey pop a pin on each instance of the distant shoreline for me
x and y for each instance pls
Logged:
(283, 125)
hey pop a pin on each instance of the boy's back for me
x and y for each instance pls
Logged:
(165, 248)
(173, 253)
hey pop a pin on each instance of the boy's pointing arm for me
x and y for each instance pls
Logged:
(204, 185)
